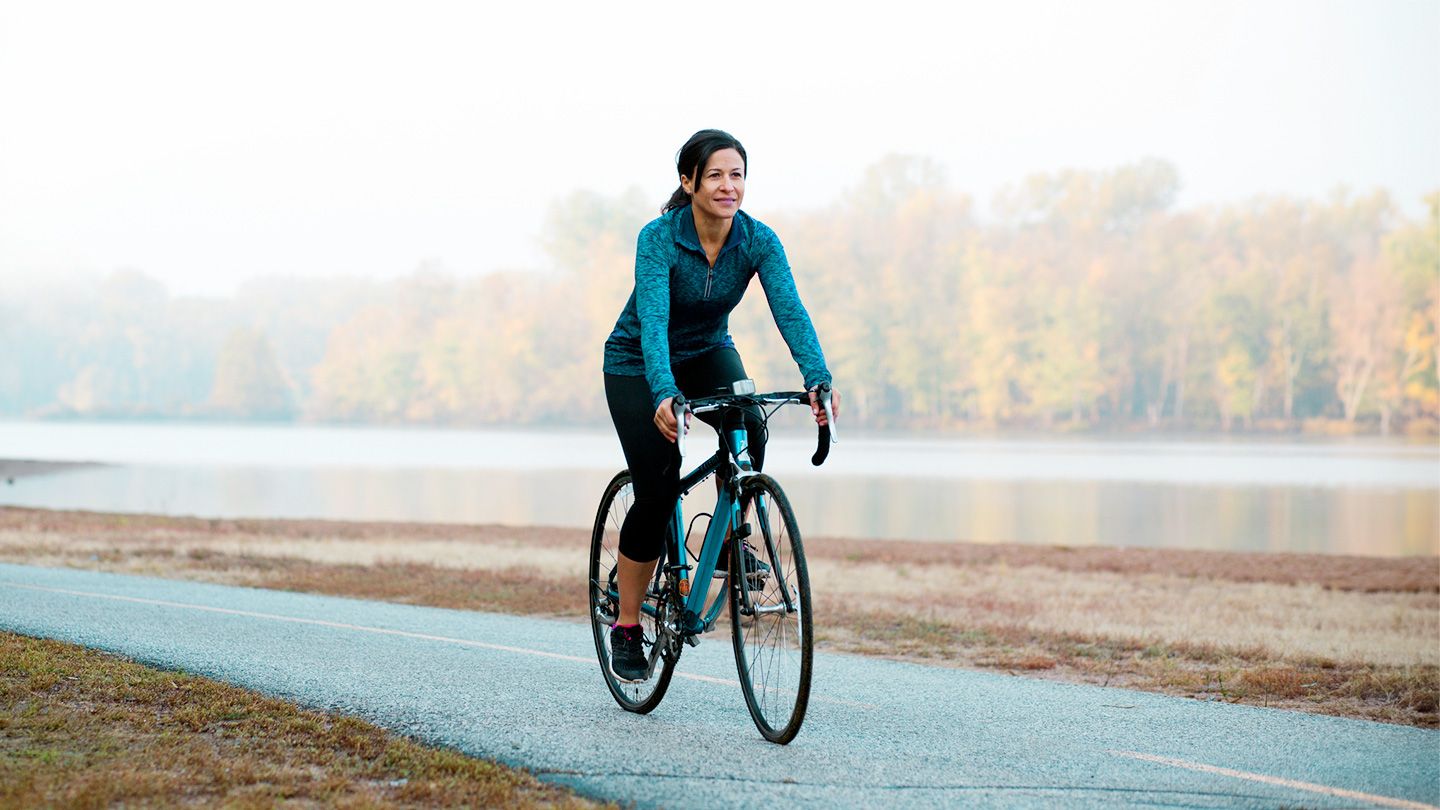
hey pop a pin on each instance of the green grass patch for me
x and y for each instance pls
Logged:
(85, 729)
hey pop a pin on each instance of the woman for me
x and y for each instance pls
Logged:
(692, 266)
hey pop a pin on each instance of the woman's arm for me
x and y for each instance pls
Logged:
(790, 315)
(654, 256)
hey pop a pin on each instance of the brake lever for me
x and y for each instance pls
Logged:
(827, 430)
(829, 415)
(680, 407)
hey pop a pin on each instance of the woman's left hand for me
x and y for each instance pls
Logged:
(819, 411)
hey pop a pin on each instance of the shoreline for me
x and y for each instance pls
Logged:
(12, 470)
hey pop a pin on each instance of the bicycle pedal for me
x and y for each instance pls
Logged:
(692, 641)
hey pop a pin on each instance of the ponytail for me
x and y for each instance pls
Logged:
(677, 200)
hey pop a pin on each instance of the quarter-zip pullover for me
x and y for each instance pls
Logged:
(680, 307)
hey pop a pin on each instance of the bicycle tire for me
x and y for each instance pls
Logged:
(774, 642)
(604, 606)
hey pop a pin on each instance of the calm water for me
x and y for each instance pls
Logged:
(1364, 498)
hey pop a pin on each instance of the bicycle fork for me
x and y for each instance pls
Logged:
(787, 602)
(742, 530)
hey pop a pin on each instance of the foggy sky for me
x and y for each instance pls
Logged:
(207, 143)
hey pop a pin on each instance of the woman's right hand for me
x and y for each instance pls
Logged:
(665, 419)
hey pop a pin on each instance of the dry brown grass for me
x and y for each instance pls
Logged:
(1333, 571)
(1352, 636)
(1290, 621)
(83, 729)
(1253, 675)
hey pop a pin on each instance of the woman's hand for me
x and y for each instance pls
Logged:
(819, 411)
(665, 419)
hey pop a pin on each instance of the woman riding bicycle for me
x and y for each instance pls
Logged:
(692, 266)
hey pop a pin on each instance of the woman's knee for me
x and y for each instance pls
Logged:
(642, 536)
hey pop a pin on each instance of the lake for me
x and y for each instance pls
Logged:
(1356, 497)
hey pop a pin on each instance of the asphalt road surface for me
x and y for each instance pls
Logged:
(528, 692)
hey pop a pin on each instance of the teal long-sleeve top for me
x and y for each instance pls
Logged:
(680, 307)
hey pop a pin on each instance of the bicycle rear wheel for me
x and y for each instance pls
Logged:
(770, 614)
(605, 603)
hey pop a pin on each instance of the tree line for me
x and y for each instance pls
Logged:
(1082, 300)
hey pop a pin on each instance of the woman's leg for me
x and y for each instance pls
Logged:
(632, 576)
(654, 466)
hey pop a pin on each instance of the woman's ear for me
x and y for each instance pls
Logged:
(685, 184)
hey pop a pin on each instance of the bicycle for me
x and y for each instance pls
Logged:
(769, 606)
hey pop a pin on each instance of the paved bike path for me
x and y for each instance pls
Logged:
(879, 733)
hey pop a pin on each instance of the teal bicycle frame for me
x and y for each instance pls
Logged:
(676, 553)
(675, 558)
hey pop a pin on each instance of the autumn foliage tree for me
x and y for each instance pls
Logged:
(248, 382)
(1077, 300)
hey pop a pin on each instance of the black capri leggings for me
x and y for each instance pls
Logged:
(654, 462)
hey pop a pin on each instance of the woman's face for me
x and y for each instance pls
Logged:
(721, 186)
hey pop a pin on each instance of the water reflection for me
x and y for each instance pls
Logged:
(1078, 513)
(1371, 522)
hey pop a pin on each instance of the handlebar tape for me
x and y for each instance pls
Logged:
(823, 449)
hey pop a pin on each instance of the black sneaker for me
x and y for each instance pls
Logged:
(627, 654)
(755, 569)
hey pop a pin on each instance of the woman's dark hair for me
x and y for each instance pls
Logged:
(693, 156)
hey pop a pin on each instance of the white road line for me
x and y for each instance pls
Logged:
(1385, 801)
(383, 631)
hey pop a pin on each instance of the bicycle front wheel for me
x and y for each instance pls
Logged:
(770, 613)
(605, 603)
